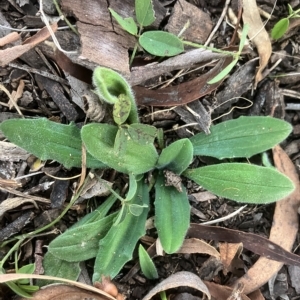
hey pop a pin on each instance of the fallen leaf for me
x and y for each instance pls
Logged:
(284, 227)
(10, 54)
(252, 242)
(198, 246)
(9, 38)
(230, 253)
(12, 203)
(183, 93)
(258, 35)
(180, 279)
(222, 292)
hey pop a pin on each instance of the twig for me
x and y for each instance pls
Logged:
(39, 72)
(219, 23)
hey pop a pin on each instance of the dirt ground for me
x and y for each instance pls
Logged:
(253, 254)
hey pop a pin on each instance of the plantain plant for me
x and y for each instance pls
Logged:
(129, 147)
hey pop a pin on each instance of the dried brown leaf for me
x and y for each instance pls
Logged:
(177, 280)
(9, 38)
(230, 253)
(10, 54)
(12, 203)
(222, 292)
(258, 35)
(198, 246)
(183, 93)
(284, 227)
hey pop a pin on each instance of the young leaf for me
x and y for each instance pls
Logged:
(48, 140)
(81, 243)
(121, 109)
(290, 9)
(116, 248)
(144, 12)
(176, 157)
(147, 265)
(161, 43)
(127, 24)
(242, 137)
(110, 85)
(243, 182)
(280, 28)
(243, 37)
(99, 140)
(224, 72)
(142, 133)
(172, 215)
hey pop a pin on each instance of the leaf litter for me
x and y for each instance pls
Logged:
(182, 93)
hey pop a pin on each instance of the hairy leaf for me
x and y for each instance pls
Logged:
(110, 85)
(176, 157)
(81, 243)
(137, 158)
(56, 267)
(121, 109)
(242, 137)
(48, 140)
(116, 248)
(161, 43)
(172, 215)
(243, 182)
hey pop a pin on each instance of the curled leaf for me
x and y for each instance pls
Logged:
(180, 279)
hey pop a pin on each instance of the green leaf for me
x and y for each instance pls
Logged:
(176, 157)
(242, 137)
(142, 133)
(290, 9)
(136, 209)
(121, 109)
(224, 72)
(132, 187)
(99, 140)
(29, 288)
(161, 43)
(27, 269)
(110, 85)
(18, 290)
(56, 267)
(48, 140)
(243, 182)
(116, 248)
(172, 215)
(147, 265)
(99, 213)
(81, 243)
(127, 24)
(280, 28)
(243, 37)
(144, 12)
